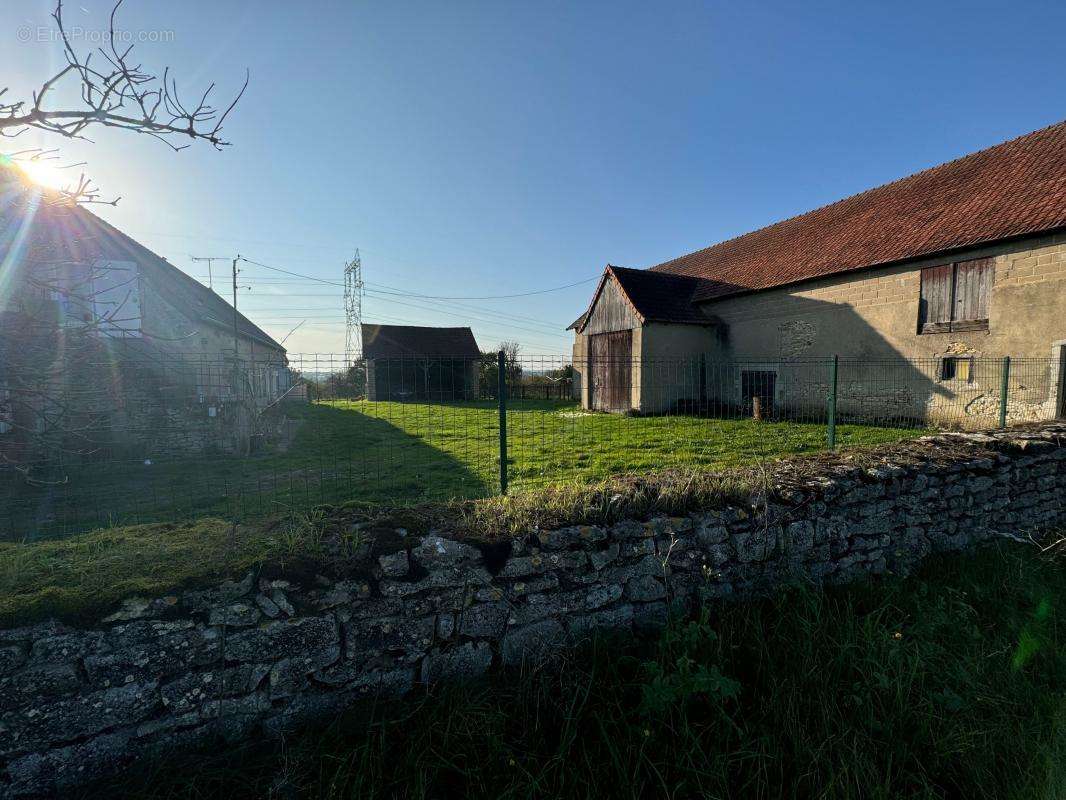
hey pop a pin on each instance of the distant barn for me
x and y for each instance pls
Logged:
(405, 362)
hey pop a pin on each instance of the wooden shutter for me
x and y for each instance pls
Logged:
(934, 312)
(973, 285)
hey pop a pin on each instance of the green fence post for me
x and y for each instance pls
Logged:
(1004, 388)
(831, 412)
(501, 391)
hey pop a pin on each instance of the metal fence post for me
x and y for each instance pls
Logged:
(501, 391)
(831, 411)
(1004, 389)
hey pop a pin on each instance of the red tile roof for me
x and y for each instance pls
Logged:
(654, 296)
(1009, 190)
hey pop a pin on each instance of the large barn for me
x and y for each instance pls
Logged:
(962, 262)
(407, 362)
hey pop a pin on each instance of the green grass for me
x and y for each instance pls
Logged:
(398, 453)
(80, 578)
(949, 684)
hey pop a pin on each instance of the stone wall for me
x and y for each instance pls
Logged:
(264, 654)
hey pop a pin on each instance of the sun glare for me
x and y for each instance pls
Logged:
(44, 174)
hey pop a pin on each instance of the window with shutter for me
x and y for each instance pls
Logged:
(955, 297)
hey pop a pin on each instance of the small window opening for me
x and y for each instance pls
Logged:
(953, 368)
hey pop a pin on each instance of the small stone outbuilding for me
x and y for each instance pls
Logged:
(407, 362)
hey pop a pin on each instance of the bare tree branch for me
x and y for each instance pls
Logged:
(116, 92)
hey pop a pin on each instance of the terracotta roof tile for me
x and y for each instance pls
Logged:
(655, 296)
(1011, 189)
(660, 297)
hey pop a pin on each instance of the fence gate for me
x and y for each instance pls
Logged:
(611, 384)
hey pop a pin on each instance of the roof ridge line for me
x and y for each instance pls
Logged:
(856, 195)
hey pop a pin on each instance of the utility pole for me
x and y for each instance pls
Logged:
(210, 273)
(235, 337)
(353, 310)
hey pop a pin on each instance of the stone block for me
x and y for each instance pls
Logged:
(484, 620)
(524, 566)
(55, 722)
(599, 596)
(533, 644)
(11, 658)
(235, 615)
(191, 691)
(312, 640)
(407, 639)
(154, 659)
(576, 535)
(463, 663)
(609, 619)
(644, 588)
(599, 559)
(267, 606)
(69, 646)
(36, 683)
(435, 551)
(754, 545)
(395, 565)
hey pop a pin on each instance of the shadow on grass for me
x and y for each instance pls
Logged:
(339, 455)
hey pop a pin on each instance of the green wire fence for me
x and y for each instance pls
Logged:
(189, 435)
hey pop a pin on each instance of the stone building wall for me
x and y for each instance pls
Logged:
(873, 313)
(871, 316)
(263, 654)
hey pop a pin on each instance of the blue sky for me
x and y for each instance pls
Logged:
(472, 149)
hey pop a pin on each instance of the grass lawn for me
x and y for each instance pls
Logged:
(397, 453)
(948, 684)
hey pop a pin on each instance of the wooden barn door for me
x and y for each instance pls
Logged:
(611, 357)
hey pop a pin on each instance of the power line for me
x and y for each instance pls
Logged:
(387, 295)
(505, 315)
(466, 316)
(403, 293)
(296, 274)
(209, 260)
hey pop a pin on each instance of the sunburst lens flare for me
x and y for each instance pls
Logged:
(44, 174)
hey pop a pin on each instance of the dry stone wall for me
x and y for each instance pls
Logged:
(261, 655)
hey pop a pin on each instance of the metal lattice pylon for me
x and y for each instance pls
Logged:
(353, 309)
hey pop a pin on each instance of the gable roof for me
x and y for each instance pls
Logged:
(654, 296)
(1012, 189)
(399, 341)
(62, 233)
